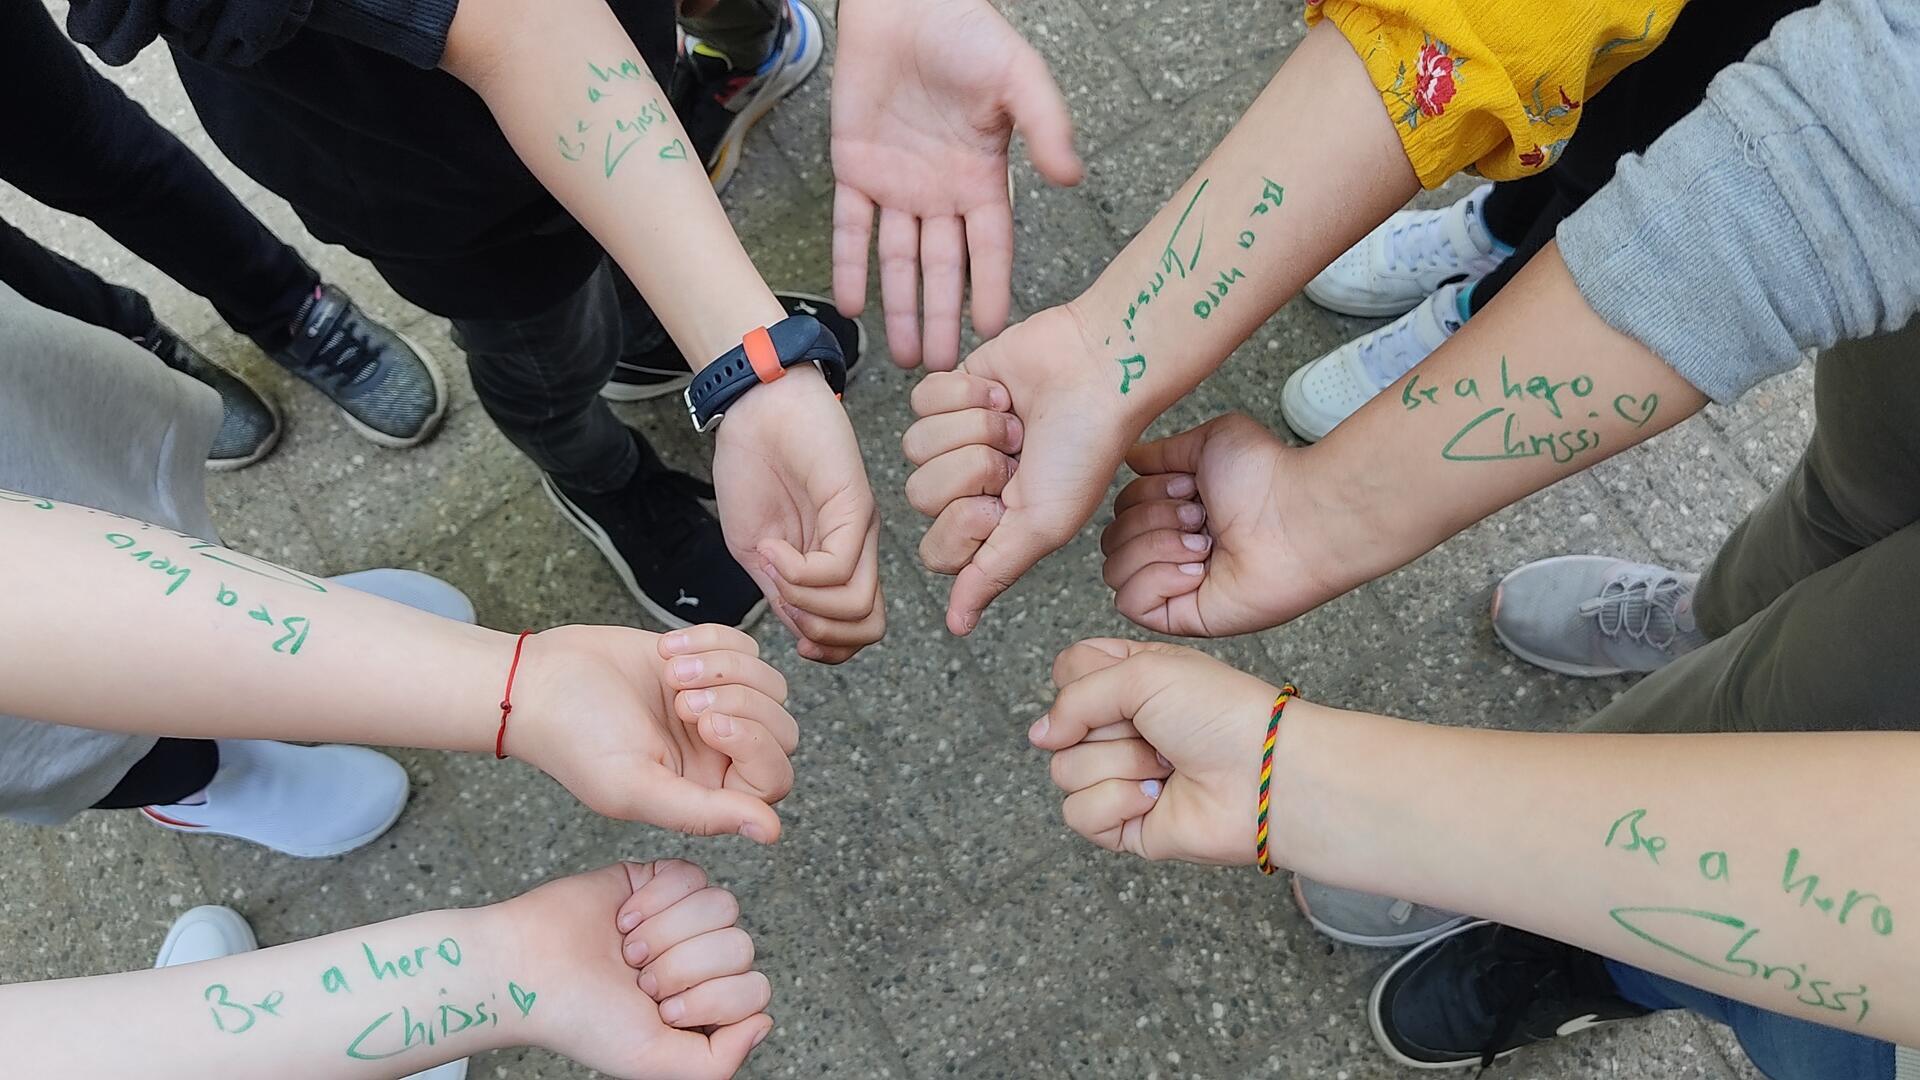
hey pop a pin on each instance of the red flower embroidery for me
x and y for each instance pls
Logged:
(1433, 80)
(1533, 158)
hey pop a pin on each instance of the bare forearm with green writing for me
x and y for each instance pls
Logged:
(122, 625)
(1695, 856)
(1313, 165)
(571, 94)
(1534, 388)
(381, 1001)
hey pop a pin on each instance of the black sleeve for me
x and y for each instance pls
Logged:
(240, 32)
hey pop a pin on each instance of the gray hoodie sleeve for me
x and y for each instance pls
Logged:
(1782, 214)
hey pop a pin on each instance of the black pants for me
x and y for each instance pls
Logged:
(75, 142)
(173, 770)
(1625, 118)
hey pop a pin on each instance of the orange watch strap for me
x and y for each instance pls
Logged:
(762, 355)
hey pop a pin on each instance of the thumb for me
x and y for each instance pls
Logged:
(729, 1046)
(1041, 115)
(1174, 454)
(674, 802)
(1015, 544)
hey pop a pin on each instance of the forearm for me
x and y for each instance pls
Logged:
(379, 1001)
(571, 94)
(1692, 856)
(1535, 388)
(1313, 165)
(119, 625)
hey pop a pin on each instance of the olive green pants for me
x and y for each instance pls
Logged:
(1813, 604)
(741, 30)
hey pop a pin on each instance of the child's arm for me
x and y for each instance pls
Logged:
(571, 94)
(545, 969)
(1691, 855)
(118, 625)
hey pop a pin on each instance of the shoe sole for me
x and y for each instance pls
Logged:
(1558, 667)
(326, 852)
(427, 430)
(267, 446)
(1378, 310)
(726, 160)
(1387, 941)
(229, 919)
(591, 529)
(1290, 412)
(1386, 1044)
(624, 392)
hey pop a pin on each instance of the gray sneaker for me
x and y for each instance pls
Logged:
(1375, 922)
(249, 424)
(1588, 615)
(386, 386)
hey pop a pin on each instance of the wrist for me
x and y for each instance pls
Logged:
(1135, 392)
(712, 335)
(771, 404)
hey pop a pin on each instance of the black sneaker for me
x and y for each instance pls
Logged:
(383, 383)
(719, 103)
(664, 545)
(249, 424)
(665, 371)
(1476, 994)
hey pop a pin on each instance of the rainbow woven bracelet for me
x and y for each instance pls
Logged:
(1261, 857)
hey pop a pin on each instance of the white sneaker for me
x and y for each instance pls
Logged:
(1407, 257)
(213, 932)
(310, 802)
(1323, 393)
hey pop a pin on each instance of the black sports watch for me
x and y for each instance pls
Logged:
(763, 357)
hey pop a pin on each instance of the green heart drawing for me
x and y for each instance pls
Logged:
(1647, 405)
(522, 998)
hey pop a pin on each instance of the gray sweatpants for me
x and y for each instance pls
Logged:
(88, 417)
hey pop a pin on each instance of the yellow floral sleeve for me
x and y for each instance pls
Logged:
(1495, 85)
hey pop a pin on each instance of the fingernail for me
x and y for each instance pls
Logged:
(1196, 541)
(672, 1009)
(648, 984)
(636, 951)
(688, 667)
(1039, 729)
(1193, 569)
(752, 831)
(1192, 514)
(762, 1037)
(699, 701)
(1150, 788)
(1162, 759)
(677, 642)
(997, 396)
(1181, 486)
(723, 726)
(629, 920)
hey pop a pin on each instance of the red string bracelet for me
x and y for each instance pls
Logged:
(1261, 857)
(506, 698)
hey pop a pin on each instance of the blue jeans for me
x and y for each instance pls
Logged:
(1783, 1047)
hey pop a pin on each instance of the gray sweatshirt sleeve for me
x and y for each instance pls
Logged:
(1782, 214)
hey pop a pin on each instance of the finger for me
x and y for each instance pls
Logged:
(1173, 454)
(1086, 764)
(665, 798)
(713, 954)
(945, 432)
(952, 391)
(722, 1053)
(691, 922)
(1102, 697)
(706, 670)
(957, 474)
(850, 601)
(1160, 546)
(759, 765)
(715, 1001)
(852, 236)
(943, 262)
(1167, 515)
(1014, 546)
(1087, 656)
(1041, 115)
(956, 535)
(740, 701)
(1156, 487)
(990, 254)
(899, 281)
(836, 640)
(1165, 598)
(706, 638)
(834, 555)
(1111, 813)
(671, 881)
